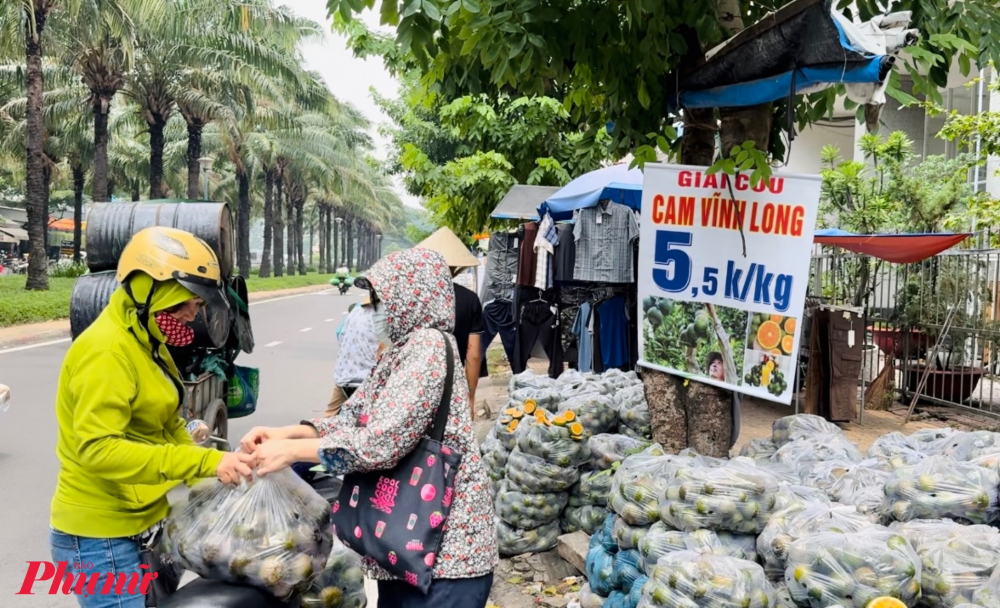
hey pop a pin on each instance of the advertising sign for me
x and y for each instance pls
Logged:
(708, 312)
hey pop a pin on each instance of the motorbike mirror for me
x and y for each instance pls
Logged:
(199, 431)
(4, 397)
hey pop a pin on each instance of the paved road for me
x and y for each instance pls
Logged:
(295, 352)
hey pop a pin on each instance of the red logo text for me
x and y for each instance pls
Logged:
(85, 583)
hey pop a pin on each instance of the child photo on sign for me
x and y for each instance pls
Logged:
(685, 336)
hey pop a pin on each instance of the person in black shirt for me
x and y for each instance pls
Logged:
(468, 327)
(468, 309)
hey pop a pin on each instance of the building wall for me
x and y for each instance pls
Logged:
(804, 156)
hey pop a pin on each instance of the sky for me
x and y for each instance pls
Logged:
(348, 77)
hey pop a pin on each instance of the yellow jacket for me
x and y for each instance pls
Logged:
(122, 443)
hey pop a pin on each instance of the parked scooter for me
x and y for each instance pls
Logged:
(207, 593)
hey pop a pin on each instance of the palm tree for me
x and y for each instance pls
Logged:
(23, 23)
(99, 41)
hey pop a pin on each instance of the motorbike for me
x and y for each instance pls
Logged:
(207, 593)
(342, 283)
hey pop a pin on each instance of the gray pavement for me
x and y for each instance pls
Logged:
(295, 352)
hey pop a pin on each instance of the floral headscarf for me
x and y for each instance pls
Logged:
(393, 409)
(415, 287)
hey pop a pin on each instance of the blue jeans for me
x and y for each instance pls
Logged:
(99, 555)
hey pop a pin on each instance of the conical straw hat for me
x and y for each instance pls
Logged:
(455, 253)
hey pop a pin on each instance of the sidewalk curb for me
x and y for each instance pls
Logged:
(63, 331)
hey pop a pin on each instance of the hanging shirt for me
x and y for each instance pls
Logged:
(545, 244)
(527, 259)
(358, 347)
(565, 256)
(614, 333)
(604, 237)
(583, 329)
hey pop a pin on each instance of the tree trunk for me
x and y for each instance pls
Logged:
(195, 128)
(279, 225)
(739, 125)
(243, 223)
(78, 181)
(36, 203)
(330, 240)
(156, 143)
(300, 233)
(102, 107)
(136, 195)
(349, 242)
(321, 225)
(47, 181)
(265, 257)
(336, 246)
(290, 222)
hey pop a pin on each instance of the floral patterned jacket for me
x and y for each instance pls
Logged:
(394, 408)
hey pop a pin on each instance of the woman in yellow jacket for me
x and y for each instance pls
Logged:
(122, 444)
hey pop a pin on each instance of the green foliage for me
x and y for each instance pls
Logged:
(464, 159)
(934, 286)
(888, 192)
(619, 61)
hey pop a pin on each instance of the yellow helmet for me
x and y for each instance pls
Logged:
(168, 253)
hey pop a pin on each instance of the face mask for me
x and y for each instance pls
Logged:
(176, 333)
(381, 326)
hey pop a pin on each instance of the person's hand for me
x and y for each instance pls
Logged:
(275, 455)
(257, 436)
(233, 466)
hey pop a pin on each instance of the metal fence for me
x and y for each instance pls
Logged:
(906, 308)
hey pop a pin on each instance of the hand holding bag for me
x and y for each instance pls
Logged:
(397, 517)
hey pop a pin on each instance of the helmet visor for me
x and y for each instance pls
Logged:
(209, 291)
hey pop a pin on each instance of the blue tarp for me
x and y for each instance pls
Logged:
(617, 183)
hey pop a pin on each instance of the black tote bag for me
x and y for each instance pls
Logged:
(397, 517)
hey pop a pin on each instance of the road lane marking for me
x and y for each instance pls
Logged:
(328, 320)
(272, 344)
(31, 346)
(305, 329)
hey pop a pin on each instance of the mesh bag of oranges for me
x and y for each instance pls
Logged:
(941, 487)
(515, 541)
(544, 397)
(988, 596)
(957, 560)
(736, 497)
(661, 540)
(559, 439)
(789, 525)
(626, 535)
(852, 569)
(536, 475)
(586, 518)
(527, 510)
(827, 474)
(593, 489)
(638, 483)
(606, 449)
(866, 474)
(595, 411)
(800, 426)
(802, 453)
(633, 411)
(691, 579)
